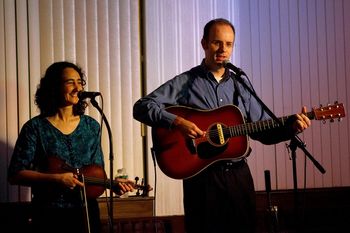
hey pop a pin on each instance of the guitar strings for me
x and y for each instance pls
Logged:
(247, 128)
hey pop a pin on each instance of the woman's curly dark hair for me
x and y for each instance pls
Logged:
(48, 96)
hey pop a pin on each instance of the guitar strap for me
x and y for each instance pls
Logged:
(237, 93)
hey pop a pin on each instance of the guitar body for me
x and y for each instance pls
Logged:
(181, 158)
(225, 137)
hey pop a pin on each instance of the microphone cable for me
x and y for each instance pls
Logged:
(154, 212)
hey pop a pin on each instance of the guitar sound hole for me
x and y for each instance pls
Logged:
(214, 135)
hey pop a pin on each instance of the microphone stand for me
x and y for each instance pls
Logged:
(272, 210)
(295, 141)
(111, 158)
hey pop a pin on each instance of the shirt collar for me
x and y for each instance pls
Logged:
(209, 74)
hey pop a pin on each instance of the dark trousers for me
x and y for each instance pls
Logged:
(59, 220)
(220, 199)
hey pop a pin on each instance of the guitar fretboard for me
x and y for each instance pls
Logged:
(259, 126)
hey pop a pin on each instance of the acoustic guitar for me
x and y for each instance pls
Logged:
(225, 138)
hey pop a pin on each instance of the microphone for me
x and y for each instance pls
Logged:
(88, 94)
(232, 67)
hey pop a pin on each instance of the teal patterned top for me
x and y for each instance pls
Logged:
(39, 139)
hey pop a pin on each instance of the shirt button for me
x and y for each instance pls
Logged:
(220, 100)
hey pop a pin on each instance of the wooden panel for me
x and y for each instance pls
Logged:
(318, 210)
(310, 210)
(131, 207)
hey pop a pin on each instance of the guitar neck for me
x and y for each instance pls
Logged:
(260, 126)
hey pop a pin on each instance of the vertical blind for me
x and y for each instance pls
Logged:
(295, 52)
(99, 35)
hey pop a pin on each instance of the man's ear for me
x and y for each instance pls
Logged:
(204, 44)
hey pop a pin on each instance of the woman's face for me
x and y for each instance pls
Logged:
(72, 85)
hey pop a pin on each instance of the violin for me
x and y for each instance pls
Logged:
(94, 177)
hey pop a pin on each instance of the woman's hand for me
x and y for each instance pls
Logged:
(123, 185)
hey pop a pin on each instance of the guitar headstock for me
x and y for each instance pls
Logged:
(329, 112)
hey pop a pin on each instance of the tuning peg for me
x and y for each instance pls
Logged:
(138, 189)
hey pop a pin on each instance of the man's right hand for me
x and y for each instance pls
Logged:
(187, 128)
